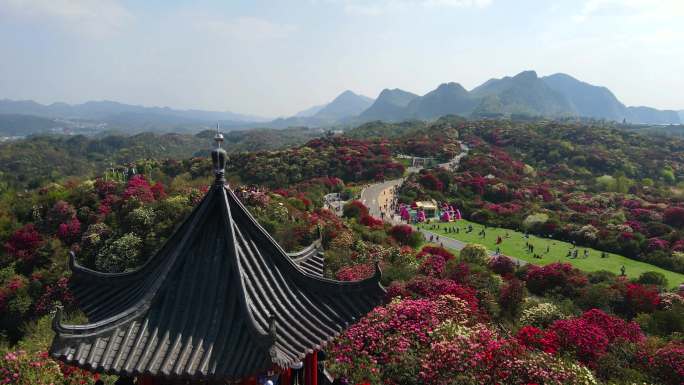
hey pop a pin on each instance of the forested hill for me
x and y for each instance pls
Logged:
(34, 161)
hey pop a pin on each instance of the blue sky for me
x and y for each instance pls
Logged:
(274, 58)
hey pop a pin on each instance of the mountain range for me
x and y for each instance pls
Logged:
(525, 94)
(23, 117)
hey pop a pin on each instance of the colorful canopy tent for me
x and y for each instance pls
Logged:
(221, 301)
(428, 207)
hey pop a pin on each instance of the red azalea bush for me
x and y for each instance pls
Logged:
(356, 272)
(432, 266)
(437, 341)
(56, 292)
(658, 244)
(138, 188)
(589, 336)
(431, 287)
(667, 363)
(535, 338)
(158, 191)
(436, 250)
(674, 216)
(637, 298)
(431, 182)
(355, 209)
(391, 337)
(501, 265)
(402, 234)
(555, 276)
(511, 295)
(70, 232)
(24, 243)
(371, 221)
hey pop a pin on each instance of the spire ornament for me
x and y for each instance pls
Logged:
(218, 158)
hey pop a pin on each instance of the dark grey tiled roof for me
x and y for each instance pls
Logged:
(221, 300)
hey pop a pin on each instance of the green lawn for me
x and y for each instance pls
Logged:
(514, 246)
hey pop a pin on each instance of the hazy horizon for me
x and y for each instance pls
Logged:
(275, 59)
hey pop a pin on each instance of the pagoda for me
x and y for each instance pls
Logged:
(221, 302)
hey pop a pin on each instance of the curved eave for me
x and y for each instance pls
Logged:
(220, 279)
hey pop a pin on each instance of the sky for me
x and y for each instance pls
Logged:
(274, 58)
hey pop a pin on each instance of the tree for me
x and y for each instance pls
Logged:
(474, 253)
(355, 209)
(653, 278)
(120, 254)
(674, 216)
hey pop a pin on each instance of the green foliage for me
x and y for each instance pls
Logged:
(653, 278)
(120, 254)
(474, 253)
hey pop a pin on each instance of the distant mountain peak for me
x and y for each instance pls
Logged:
(529, 74)
(346, 105)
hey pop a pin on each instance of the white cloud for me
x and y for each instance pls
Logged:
(94, 18)
(377, 7)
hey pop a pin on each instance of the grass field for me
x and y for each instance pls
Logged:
(514, 246)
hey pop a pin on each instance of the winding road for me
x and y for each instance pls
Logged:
(377, 195)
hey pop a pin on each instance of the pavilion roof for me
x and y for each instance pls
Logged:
(220, 300)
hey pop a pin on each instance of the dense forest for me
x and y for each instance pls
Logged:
(449, 317)
(31, 162)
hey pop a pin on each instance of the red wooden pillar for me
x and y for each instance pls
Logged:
(146, 380)
(314, 368)
(307, 370)
(286, 376)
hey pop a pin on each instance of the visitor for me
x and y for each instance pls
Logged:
(548, 249)
(622, 271)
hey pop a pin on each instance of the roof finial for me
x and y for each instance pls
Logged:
(218, 138)
(218, 157)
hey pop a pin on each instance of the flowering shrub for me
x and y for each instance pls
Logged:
(541, 315)
(355, 209)
(22, 368)
(667, 363)
(138, 188)
(70, 232)
(535, 338)
(674, 216)
(511, 295)
(555, 276)
(24, 243)
(636, 298)
(431, 182)
(385, 346)
(57, 292)
(435, 341)
(435, 250)
(371, 221)
(430, 287)
(590, 335)
(432, 265)
(356, 272)
(501, 264)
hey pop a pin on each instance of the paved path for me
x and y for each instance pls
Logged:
(377, 195)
